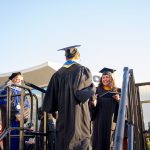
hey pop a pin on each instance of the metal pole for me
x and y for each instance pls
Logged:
(130, 137)
(8, 116)
(36, 121)
(121, 113)
(45, 125)
(131, 99)
(21, 139)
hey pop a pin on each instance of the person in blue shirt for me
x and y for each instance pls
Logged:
(16, 78)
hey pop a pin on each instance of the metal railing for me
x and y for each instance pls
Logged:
(121, 113)
(130, 111)
(6, 134)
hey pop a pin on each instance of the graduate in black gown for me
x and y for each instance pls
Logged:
(105, 111)
(68, 92)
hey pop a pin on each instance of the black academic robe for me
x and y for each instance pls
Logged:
(68, 92)
(104, 117)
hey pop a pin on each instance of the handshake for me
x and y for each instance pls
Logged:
(93, 101)
(25, 114)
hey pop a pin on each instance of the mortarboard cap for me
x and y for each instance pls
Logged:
(14, 75)
(106, 71)
(70, 51)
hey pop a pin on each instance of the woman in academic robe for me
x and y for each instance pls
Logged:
(104, 112)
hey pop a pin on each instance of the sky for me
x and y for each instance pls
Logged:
(113, 34)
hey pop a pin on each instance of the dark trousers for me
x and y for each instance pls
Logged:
(51, 140)
(14, 142)
(80, 145)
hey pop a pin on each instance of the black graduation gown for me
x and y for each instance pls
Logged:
(68, 92)
(105, 114)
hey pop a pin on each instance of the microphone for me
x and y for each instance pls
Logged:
(35, 87)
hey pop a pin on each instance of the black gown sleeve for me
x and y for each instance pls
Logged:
(50, 102)
(83, 87)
